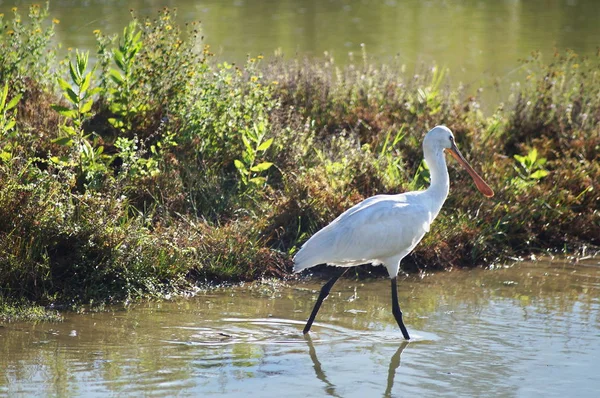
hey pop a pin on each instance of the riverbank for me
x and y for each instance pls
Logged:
(158, 167)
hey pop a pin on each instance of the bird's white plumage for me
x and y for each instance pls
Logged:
(383, 229)
(380, 236)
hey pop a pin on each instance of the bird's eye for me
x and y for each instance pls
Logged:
(451, 139)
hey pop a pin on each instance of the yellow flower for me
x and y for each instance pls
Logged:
(254, 78)
(260, 57)
(168, 27)
(275, 83)
(96, 31)
(55, 21)
(10, 32)
(1, 15)
(14, 9)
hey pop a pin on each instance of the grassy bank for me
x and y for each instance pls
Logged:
(157, 167)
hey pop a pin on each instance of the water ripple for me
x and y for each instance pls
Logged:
(230, 331)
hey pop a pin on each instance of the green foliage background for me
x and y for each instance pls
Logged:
(155, 167)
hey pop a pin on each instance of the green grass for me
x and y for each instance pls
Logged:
(157, 167)
(24, 311)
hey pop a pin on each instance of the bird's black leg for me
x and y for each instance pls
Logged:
(396, 309)
(324, 293)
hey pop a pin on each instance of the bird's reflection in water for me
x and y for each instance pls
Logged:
(394, 364)
(330, 387)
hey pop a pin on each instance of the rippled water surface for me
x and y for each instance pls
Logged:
(529, 330)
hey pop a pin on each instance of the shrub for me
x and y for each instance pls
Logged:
(158, 167)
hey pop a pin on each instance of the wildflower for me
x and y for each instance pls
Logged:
(96, 31)
(260, 57)
(55, 21)
(275, 83)
(254, 78)
(1, 15)
(10, 32)
(14, 9)
(168, 27)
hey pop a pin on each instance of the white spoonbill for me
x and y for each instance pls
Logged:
(383, 229)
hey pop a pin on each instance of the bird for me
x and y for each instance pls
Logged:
(383, 229)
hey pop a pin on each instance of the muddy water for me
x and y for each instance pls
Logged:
(529, 330)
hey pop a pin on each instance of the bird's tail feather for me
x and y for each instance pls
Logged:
(308, 256)
(302, 261)
(315, 251)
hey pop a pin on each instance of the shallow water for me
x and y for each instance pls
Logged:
(529, 330)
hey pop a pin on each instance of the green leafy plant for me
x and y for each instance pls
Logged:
(249, 166)
(429, 98)
(253, 121)
(530, 169)
(7, 120)
(79, 96)
(124, 99)
(392, 162)
(138, 162)
(421, 178)
(24, 47)
(227, 129)
(87, 157)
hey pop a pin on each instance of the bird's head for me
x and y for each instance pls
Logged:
(441, 138)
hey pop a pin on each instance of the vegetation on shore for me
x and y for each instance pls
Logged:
(155, 167)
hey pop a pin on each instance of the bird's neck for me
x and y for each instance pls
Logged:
(440, 181)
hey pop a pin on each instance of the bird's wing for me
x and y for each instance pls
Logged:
(376, 229)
